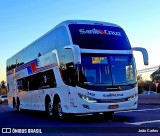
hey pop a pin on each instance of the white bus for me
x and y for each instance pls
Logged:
(78, 67)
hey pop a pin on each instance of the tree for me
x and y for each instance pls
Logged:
(3, 88)
(155, 76)
(140, 83)
(147, 85)
(139, 78)
(3, 84)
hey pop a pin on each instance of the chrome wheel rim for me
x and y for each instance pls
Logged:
(59, 110)
(18, 108)
(50, 112)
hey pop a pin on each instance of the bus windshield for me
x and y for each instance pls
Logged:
(99, 37)
(106, 70)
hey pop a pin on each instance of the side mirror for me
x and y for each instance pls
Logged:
(76, 53)
(144, 53)
(56, 55)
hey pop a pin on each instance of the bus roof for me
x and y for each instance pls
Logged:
(66, 23)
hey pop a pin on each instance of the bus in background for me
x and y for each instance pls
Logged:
(78, 67)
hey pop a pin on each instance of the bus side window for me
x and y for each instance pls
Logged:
(20, 85)
(38, 81)
(46, 79)
(49, 78)
(69, 74)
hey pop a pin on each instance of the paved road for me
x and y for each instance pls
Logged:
(145, 118)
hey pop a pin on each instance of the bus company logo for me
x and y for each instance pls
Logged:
(32, 67)
(112, 95)
(99, 31)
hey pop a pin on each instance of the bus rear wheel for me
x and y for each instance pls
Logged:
(58, 113)
(14, 103)
(18, 105)
(59, 110)
(49, 109)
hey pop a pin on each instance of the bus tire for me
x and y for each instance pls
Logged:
(57, 109)
(14, 103)
(48, 108)
(18, 105)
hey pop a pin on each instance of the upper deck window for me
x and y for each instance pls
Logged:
(99, 37)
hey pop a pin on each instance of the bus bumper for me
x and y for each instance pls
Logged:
(85, 107)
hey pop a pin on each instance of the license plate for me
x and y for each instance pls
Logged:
(113, 106)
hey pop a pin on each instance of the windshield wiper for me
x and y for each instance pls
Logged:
(132, 85)
(101, 84)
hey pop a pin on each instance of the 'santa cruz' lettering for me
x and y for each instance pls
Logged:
(98, 31)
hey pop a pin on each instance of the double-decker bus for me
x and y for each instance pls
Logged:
(78, 67)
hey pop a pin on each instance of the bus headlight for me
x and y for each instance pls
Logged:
(132, 97)
(87, 98)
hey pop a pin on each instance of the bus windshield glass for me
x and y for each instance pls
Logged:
(99, 37)
(106, 70)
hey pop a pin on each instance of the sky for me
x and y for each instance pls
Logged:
(23, 21)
